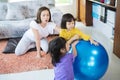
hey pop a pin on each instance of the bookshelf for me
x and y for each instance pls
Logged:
(85, 16)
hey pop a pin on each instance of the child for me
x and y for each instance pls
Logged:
(36, 35)
(62, 59)
(70, 33)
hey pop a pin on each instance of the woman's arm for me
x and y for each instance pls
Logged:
(37, 38)
(57, 28)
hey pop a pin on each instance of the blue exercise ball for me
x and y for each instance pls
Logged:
(91, 61)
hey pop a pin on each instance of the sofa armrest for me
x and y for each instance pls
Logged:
(13, 29)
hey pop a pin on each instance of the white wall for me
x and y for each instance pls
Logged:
(105, 28)
(72, 8)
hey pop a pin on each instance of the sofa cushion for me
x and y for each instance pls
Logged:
(11, 45)
(51, 2)
(3, 10)
(56, 15)
(15, 12)
(32, 11)
(23, 9)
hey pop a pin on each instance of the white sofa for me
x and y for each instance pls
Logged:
(16, 16)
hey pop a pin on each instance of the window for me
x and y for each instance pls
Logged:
(63, 2)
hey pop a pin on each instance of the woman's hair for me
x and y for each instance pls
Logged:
(66, 18)
(38, 20)
(54, 49)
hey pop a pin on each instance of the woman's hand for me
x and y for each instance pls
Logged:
(38, 54)
(67, 46)
(41, 54)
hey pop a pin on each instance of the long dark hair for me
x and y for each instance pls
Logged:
(38, 20)
(54, 49)
(66, 18)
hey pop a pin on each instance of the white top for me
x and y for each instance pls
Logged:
(44, 32)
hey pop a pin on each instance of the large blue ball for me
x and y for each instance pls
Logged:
(91, 61)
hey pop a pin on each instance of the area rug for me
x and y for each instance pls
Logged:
(10, 63)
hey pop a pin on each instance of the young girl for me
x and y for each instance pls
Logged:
(70, 33)
(62, 59)
(36, 35)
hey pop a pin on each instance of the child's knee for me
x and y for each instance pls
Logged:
(18, 53)
(45, 49)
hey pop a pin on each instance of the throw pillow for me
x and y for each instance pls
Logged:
(15, 12)
(3, 10)
(56, 15)
(11, 45)
(32, 11)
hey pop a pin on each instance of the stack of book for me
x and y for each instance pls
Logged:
(98, 12)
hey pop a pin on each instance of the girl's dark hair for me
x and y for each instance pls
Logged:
(54, 49)
(38, 20)
(66, 18)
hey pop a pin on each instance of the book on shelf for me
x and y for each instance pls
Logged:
(115, 3)
(102, 15)
(96, 11)
(102, 1)
(111, 2)
(107, 1)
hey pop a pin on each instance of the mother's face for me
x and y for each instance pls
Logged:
(45, 16)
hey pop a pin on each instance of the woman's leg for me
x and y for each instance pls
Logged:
(44, 45)
(24, 45)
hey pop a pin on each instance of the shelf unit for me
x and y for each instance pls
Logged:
(85, 12)
(85, 15)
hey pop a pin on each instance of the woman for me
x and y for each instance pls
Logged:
(36, 35)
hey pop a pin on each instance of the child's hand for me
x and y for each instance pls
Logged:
(74, 43)
(67, 46)
(94, 42)
(74, 48)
